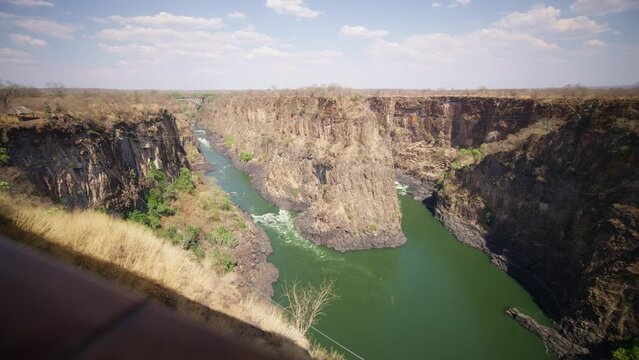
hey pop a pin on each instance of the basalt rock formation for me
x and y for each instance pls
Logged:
(548, 188)
(319, 155)
(89, 165)
(558, 209)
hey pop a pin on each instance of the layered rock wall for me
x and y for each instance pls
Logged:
(549, 190)
(86, 165)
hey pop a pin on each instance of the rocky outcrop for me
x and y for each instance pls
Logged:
(89, 165)
(322, 156)
(552, 339)
(557, 207)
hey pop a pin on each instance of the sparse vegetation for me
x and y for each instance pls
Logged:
(229, 142)
(305, 304)
(630, 352)
(4, 156)
(223, 237)
(222, 261)
(4, 186)
(245, 156)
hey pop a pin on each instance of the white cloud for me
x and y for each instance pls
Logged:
(361, 32)
(128, 49)
(265, 51)
(28, 3)
(167, 19)
(547, 19)
(445, 48)
(8, 55)
(596, 43)
(164, 38)
(602, 7)
(41, 25)
(293, 59)
(26, 39)
(237, 15)
(291, 7)
(436, 4)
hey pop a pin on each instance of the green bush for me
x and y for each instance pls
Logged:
(191, 237)
(245, 156)
(372, 227)
(172, 234)
(229, 141)
(627, 353)
(489, 217)
(137, 216)
(184, 182)
(199, 253)
(4, 156)
(4, 186)
(222, 261)
(223, 236)
(226, 204)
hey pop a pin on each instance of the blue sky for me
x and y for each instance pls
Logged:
(250, 44)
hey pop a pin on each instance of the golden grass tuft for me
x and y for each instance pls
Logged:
(134, 248)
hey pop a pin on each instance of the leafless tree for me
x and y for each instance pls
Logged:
(306, 303)
(57, 88)
(8, 92)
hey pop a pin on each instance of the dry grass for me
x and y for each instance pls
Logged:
(336, 91)
(137, 250)
(101, 106)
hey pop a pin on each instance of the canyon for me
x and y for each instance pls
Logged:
(547, 187)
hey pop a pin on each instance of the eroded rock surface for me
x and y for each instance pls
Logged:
(549, 188)
(85, 165)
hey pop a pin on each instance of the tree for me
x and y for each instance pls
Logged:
(305, 304)
(8, 92)
(56, 88)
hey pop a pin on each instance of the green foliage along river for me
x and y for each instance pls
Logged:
(433, 298)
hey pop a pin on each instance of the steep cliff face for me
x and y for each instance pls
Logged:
(89, 165)
(425, 131)
(322, 156)
(559, 210)
(548, 187)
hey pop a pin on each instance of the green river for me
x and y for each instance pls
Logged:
(433, 298)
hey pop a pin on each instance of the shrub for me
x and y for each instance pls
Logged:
(372, 227)
(226, 204)
(4, 156)
(229, 141)
(191, 237)
(489, 217)
(184, 182)
(305, 304)
(172, 234)
(222, 261)
(137, 216)
(627, 353)
(245, 156)
(199, 253)
(4, 186)
(223, 236)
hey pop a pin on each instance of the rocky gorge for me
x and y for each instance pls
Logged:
(547, 187)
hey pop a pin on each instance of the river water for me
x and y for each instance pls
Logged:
(432, 298)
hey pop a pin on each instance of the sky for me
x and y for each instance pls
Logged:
(257, 44)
